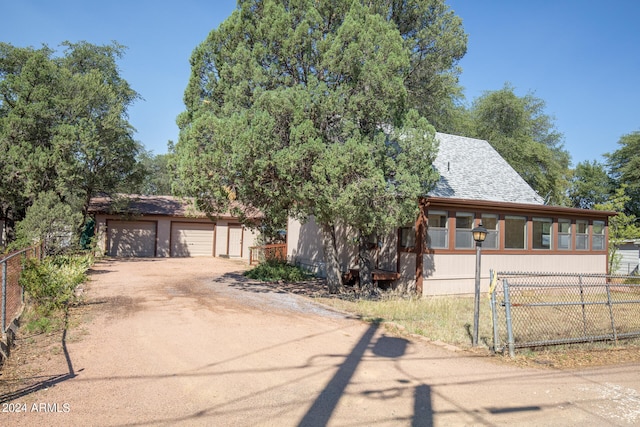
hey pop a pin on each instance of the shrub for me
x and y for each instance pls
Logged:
(50, 284)
(275, 270)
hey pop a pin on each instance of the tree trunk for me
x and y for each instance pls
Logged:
(364, 264)
(334, 277)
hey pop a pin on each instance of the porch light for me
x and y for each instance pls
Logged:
(479, 234)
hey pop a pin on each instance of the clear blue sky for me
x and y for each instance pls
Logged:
(582, 57)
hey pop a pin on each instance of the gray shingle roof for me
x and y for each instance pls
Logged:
(472, 169)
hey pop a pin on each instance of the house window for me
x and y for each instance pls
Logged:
(437, 231)
(564, 234)
(597, 242)
(490, 222)
(515, 232)
(582, 235)
(464, 225)
(542, 233)
(407, 237)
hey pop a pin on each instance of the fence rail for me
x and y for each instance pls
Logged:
(12, 293)
(258, 254)
(540, 309)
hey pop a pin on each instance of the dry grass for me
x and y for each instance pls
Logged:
(450, 319)
(447, 319)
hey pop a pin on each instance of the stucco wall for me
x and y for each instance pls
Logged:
(304, 248)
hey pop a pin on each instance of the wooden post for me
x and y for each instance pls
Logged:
(421, 229)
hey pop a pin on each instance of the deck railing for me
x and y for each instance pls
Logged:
(258, 254)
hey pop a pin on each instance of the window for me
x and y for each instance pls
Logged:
(582, 235)
(464, 225)
(437, 232)
(542, 233)
(597, 242)
(407, 237)
(564, 234)
(515, 232)
(490, 222)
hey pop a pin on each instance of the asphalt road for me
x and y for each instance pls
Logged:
(190, 342)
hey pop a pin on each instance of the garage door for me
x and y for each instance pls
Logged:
(131, 238)
(191, 239)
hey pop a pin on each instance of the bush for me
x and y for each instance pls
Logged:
(275, 270)
(50, 284)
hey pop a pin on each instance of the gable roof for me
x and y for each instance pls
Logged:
(136, 204)
(472, 169)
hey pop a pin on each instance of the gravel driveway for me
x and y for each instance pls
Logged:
(168, 342)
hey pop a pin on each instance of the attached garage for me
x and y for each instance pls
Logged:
(192, 239)
(131, 238)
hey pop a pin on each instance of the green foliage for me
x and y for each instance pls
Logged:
(304, 108)
(157, 174)
(51, 222)
(622, 226)
(51, 283)
(624, 165)
(590, 185)
(63, 126)
(526, 138)
(275, 270)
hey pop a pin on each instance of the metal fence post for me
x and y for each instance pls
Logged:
(507, 312)
(4, 297)
(494, 312)
(613, 321)
(584, 314)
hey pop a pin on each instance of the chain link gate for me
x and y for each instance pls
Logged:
(541, 309)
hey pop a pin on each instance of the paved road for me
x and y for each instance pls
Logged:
(189, 342)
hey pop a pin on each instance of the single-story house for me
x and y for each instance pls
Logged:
(436, 254)
(165, 226)
(629, 252)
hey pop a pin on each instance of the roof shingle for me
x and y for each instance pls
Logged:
(472, 169)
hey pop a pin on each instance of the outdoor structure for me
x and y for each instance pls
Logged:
(629, 261)
(165, 226)
(436, 254)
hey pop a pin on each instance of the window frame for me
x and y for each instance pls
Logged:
(584, 235)
(464, 230)
(600, 235)
(568, 234)
(525, 232)
(540, 224)
(444, 230)
(491, 232)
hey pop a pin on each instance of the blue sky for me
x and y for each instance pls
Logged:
(582, 57)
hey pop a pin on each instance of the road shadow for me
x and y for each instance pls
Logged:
(320, 413)
(49, 381)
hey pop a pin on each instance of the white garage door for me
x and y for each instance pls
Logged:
(131, 238)
(191, 239)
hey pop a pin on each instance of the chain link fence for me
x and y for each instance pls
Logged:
(12, 293)
(541, 309)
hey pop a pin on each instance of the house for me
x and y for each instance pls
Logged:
(436, 254)
(629, 262)
(165, 226)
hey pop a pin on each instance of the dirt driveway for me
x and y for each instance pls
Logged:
(190, 342)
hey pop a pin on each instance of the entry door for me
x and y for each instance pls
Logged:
(235, 241)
